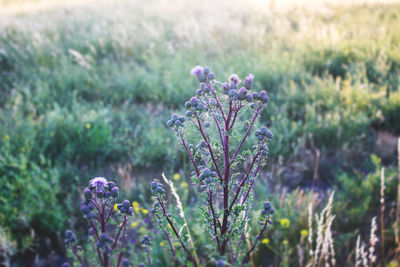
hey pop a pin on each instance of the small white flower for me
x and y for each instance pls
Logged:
(98, 182)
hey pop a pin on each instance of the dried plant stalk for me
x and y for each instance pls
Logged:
(182, 214)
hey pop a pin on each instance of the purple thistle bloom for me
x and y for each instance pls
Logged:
(98, 182)
(234, 80)
(197, 70)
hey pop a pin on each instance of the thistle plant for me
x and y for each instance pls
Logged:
(223, 115)
(107, 220)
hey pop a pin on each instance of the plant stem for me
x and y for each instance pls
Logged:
(247, 257)
(247, 133)
(176, 232)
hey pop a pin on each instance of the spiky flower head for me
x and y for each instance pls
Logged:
(98, 182)
(196, 70)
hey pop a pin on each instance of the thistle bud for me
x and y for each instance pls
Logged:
(114, 192)
(87, 193)
(194, 101)
(248, 82)
(126, 203)
(103, 237)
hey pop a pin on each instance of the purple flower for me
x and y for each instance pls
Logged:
(234, 81)
(98, 182)
(197, 70)
(248, 82)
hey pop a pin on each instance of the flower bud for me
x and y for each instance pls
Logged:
(194, 101)
(125, 262)
(170, 123)
(206, 70)
(126, 203)
(211, 76)
(234, 81)
(87, 193)
(208, 180)
(103, 237)
(212, 102)
(174, 117)
(187, 104)
(130, 211)
(69, 234)
(242, 93)
(271, 211)
(154, 185)
(111, 185)
(267, 205)
(263, 212)
(114, 192)
(248, 82)
(232, 93)
(249, 98)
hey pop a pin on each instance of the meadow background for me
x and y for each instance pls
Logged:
(87, 86)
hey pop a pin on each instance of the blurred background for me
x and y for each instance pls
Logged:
(87, 86)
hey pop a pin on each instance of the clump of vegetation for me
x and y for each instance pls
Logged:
(218, 159)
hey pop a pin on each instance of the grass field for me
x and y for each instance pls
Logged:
(86, 89)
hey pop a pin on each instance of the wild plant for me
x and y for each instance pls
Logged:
(323, 253)
(107, 220)
(364, 257)
(223, 115)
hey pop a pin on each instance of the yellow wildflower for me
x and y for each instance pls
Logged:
(136, 206)
(144, 211)
(6, 138)
(134, 224)
(285, 223)
(176, 177)
(184, 184)
(162, 243)
(285, 242)
(304, 233)
(115, 207)
(88, 126)
(176, 244)
(265, 241)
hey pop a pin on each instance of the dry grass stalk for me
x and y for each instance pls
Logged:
(363, 256)
(324, 253)
(372, 242)
(382, 215)
(358, 253)
(182, 214)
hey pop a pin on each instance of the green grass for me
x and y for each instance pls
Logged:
(84, 87)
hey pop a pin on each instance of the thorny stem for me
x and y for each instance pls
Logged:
(252, 182)
(77, 255)
(247, 133)
(226, 180)
(209, 147)
(176, 232)
(247, 257)
(244, 180)
(119, 232)
(171, 246)
(214, 219)
(190, 156)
